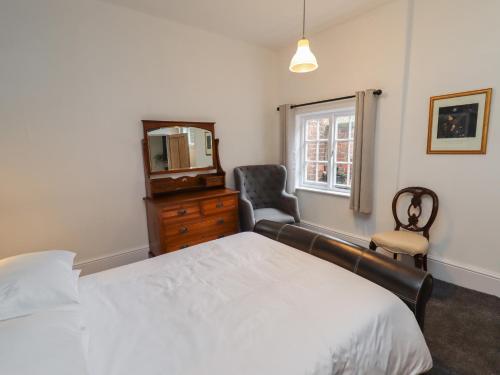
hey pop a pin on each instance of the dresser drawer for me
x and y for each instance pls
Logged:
(191, 241)
(199, 226)
(182, 245)
(186, 211)
(221, 204)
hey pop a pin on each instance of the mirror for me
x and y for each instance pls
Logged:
(179, 148)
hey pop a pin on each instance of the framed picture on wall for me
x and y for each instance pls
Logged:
(458, 123)
(208, 143)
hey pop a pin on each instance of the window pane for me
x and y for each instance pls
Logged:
(349, 180)
(311, 151)
(342, 174)
(342, 127)
(311, 172)
(343, 130)
(351, 151)
(323, 151)
(352, 127)
(342, 151)
(324, 128)
(312, 130)
(322, 172)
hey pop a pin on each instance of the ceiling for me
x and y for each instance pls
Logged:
(269, 23)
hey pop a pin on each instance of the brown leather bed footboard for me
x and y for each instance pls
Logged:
(412, 285)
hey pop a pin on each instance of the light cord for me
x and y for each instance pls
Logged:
(304, 21)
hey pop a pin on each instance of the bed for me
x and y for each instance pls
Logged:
(248, 304)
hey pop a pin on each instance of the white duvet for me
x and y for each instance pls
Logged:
(246, 305)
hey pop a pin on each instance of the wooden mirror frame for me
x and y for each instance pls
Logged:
(156, 185)
(149, 125)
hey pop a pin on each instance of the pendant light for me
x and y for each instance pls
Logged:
(303, 61)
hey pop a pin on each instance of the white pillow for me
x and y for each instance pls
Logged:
(35, 282)
(46, 343)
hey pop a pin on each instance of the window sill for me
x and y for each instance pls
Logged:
(321, 191)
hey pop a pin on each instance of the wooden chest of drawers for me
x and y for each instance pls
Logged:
(185, 219)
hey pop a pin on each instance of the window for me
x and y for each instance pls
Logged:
(327, 145)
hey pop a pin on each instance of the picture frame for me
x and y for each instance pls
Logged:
(208, 143)
(458, 123)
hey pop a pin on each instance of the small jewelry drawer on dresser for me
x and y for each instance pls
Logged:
(215, 205)
(186, 211)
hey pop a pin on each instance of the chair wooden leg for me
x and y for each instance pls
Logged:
(425, 262)
(418, 261)
(373, 246)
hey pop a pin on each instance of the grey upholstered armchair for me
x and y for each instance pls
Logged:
(263, 196)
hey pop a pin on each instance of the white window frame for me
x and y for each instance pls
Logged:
(329, 186)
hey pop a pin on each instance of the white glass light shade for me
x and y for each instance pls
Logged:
(303, 61)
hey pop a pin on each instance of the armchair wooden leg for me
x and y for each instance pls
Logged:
(373, 246)
(395, 256)
(425, 262)
(418, 261)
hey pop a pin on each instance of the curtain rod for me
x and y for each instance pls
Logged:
(376, 92)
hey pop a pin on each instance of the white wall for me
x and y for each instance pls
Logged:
(76, 78)
(445, 59)
(414, 50)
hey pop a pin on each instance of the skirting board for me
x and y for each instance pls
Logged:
(439, 268)
(111, 261)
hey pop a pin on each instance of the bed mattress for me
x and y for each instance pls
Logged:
(246, 304)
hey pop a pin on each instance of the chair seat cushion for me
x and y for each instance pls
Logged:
(273, 214)
(402, 242)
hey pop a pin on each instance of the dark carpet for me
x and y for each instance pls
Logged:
(462, 330)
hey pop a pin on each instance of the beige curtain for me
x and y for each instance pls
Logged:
(364, 145)
(289, 145)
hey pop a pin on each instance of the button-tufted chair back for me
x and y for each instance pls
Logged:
(262, 185)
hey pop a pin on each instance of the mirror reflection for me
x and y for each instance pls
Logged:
(176, 148)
